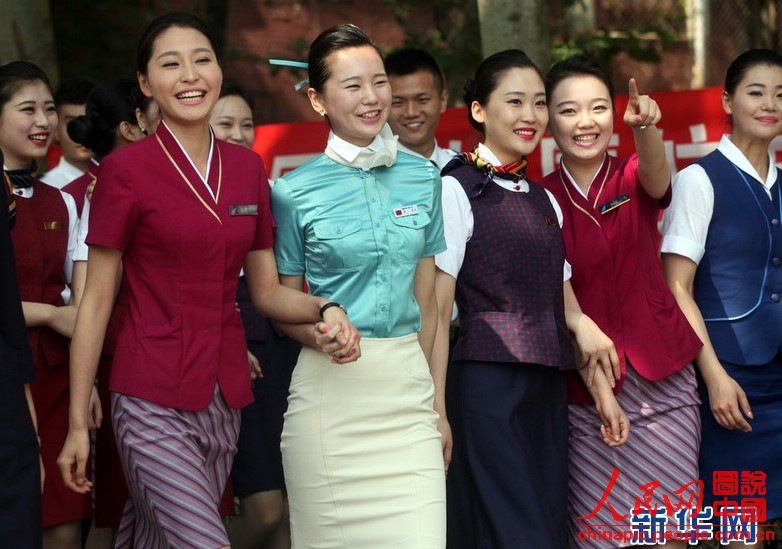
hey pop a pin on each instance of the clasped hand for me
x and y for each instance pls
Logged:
(336, 336)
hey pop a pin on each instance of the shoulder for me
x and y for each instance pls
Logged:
(304, 173)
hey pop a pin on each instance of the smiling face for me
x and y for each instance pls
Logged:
(356, 95)
(515, 116)
(183, 76)
(581, 118)
(232, 120)
(416, 106)
(27, 125)
(755, 107)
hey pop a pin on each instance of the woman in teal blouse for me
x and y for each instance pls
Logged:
(361, 451)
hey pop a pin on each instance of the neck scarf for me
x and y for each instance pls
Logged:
(24, 178)
(514, 171)
(368, 159)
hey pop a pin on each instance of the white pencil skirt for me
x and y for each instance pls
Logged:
(361, 451)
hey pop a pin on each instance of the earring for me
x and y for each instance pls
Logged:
(322, 113)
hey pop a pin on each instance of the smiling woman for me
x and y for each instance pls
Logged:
(44, 238)
(181, 212)
(361, 450)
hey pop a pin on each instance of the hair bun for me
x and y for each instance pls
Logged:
(80, 129)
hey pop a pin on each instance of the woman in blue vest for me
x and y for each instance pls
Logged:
(360, 446)
(505, 265)
(722, 237)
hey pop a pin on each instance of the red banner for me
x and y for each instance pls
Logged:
(693, 122)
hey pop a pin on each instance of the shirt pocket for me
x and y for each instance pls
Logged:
(338, 244)
(408, 235)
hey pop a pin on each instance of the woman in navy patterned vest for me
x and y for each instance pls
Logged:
(505, 266)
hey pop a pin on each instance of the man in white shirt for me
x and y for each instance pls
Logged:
(70, 100)
(418, 98)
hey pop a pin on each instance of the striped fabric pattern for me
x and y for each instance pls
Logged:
(663, 446)
(176, 463)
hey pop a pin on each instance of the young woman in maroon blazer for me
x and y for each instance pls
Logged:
(182, 212)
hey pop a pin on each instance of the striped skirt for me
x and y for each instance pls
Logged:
(663, 447)
(176, 463)
(361, 451)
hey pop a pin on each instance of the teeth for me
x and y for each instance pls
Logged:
(39, 137)
(190, 95)
(524, 132)
(413, 125)
(370, 114)
(585, 138)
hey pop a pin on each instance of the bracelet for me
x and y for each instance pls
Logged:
(643, 127)
(329, 305)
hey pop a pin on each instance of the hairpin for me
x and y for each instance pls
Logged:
(295, 65)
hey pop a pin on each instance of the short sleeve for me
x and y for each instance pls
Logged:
(289, 243)
(73, 232)
(264, 230)
(567, 270)
(81, 250)
(686, 221)
(114, 206)
(457, 226)
(435, 241)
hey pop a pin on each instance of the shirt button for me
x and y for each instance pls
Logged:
(415, 222)
(775, 222)
(776, 262)
(775, 298)
(339, 230)
(374, 199)
(384, 307)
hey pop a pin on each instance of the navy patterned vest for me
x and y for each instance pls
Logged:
(40, 243)
(738, 284)
(509, 289)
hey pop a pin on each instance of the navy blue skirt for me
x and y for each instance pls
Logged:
(758, 450)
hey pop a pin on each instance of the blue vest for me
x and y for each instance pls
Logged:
(738, 284)
(509, 289)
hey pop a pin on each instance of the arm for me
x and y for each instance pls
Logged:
(423, 290)
(287, 304)
(642, 115)
(726, 397)
(60, 319)
(595, 348)
(444, 287)
(103, 277)
(616, 426)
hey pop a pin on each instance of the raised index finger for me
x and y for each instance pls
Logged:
(632, 90)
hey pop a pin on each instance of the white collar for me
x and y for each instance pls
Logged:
(573, 181)
(734, 154)
(380, 152)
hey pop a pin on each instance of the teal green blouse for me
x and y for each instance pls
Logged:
(357, 236)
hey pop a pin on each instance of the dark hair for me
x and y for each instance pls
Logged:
(73, 92)
(183, 20)
(16, 74)
(487, 78)
(411, 60)
(329, 41)
(107, 107)
(232, 87)
(744, 62)
(577, 65)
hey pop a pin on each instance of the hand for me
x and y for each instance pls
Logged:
(90, 189)
(255, 367)
(615, 429)
(73, 461)
(596, 350)
(729, 404)
(341, 342)
(95, 417)
(447, 438)
(641, 110)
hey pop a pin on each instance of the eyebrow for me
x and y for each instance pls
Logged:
(593, 101)
(357, 77)
(32, 102)
(177, 52)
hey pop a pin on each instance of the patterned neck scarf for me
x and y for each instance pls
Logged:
(24, 178)
(514, 171)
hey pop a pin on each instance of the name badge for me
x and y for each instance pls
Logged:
(243, 209)
(52, 225)
(614, 204)
(405, 211)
